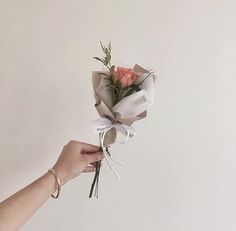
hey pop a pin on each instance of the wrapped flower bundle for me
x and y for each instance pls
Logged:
(122, 96)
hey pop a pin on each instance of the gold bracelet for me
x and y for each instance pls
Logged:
(58, 183)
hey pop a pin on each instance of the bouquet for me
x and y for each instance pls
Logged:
(122, 96)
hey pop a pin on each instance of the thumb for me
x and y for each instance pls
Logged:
(94, 157)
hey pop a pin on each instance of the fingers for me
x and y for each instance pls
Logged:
(93, 157)
(94, 164)
(89, 169)
(89, 148)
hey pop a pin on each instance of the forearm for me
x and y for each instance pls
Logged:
(18, 208)
(76, 157)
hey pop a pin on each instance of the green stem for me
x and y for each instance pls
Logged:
(150, 73)
(96, 176)
(95, 179)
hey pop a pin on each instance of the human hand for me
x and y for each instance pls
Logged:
(75, 158)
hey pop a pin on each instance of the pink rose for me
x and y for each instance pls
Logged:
(126, 76)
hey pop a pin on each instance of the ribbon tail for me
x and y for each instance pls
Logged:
(103, 125)
(111, 167)
(107, 154)
(115, 160)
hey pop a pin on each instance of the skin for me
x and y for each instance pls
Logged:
(75, 158)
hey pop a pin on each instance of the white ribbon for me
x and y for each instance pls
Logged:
(102, 126)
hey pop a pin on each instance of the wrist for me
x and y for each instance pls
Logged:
(62, 176)
(50, 182)
(58, 183)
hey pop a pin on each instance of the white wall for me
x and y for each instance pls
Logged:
(180, 173)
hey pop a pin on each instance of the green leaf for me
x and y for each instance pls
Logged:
(102, 73)
(103, 48)
(129, 92)
(135, 87)
(118, 84)
(112, 68)
(106, 51)
(109, 46)
(99, 59)
(149, 74)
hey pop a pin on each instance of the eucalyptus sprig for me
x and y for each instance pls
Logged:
(106, 60)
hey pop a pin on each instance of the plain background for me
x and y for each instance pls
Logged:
(181, 166)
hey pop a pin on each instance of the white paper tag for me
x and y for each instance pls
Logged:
(133, 105)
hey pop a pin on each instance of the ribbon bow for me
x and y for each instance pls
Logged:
(101, 126)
